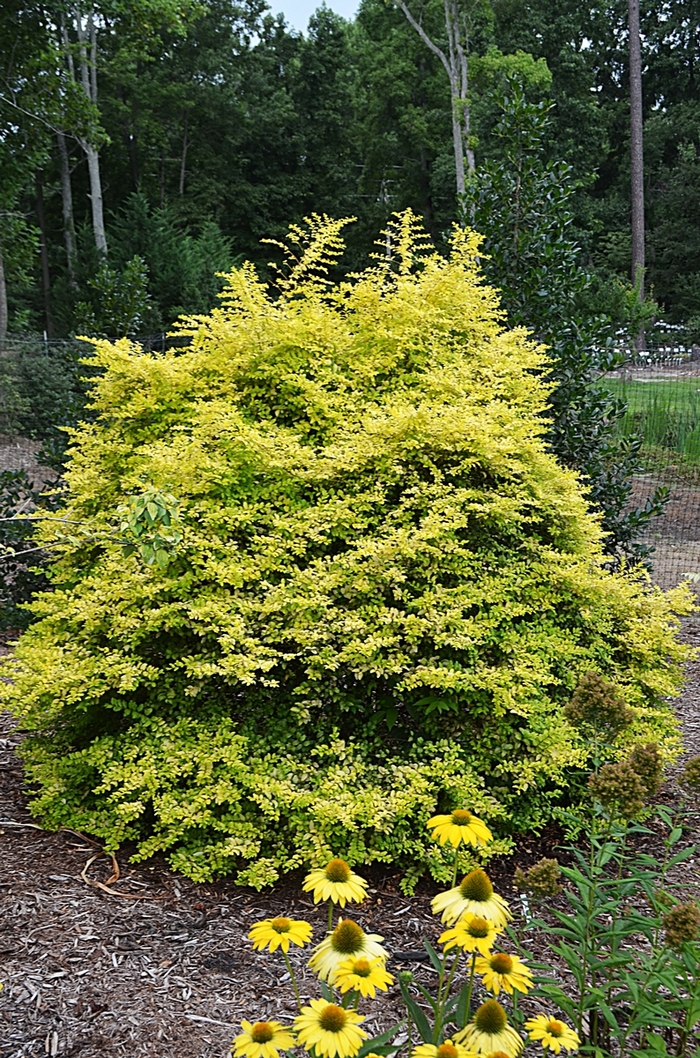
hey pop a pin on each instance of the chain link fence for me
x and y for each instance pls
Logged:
(661, 388)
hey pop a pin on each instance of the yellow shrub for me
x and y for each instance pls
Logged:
(376, 547)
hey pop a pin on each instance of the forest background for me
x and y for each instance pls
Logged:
(213, 126)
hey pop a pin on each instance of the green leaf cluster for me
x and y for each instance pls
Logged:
(148, 522)
(377, 550)
(630, 946)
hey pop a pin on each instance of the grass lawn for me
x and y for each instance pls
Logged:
(666, 413)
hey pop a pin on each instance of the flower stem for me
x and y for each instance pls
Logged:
(294, 980)
(330, 916)
(516, 1012)
(471, 986)
(443, 996)
(454, 867)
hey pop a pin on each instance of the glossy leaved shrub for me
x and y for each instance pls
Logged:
(381, 593)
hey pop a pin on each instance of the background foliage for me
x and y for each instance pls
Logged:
(378, 567)
(216, 124)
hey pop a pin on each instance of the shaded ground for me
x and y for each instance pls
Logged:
(20, 453)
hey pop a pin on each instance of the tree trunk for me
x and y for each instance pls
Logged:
(68, 218)
(98, 220)
(43, 246)
(456, 70)
(456, 82)
(461, 61)
(88, 78)
(457, 142)
(3, 302)
(183, 160)
(636, 152)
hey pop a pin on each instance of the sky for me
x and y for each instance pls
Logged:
(297, 12)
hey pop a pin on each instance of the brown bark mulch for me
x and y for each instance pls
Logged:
(102, 958)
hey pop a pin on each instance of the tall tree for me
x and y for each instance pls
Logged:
(129, 29)
(521, 203)
(24, 135)
(455, 61)
(84, 24)
(67, 209)
(636, 147)
(402, 123)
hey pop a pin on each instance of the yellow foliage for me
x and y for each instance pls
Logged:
(374, 545)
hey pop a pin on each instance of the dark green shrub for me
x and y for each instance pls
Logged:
(21, 562)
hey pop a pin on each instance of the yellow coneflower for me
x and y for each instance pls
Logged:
(460, 826)
(489, 1031)
(264, 1039)
(335, 882)
(348, 940)
(502, 971)
(552, 1034)
(280, 932)
(471, 933)
(329, 1030)
(363, 975)
(448, 1049)
(474, 894)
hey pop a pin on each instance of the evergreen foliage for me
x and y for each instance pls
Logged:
(384, 588)
(22, 562)
(523, 204)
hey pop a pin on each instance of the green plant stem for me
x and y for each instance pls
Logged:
(685, 1030)
(612, 980)
(471, 985)
(444, 994)
(294, 980)
(587, 936)
(454, 867)
(616, 914)
(330, 916)
(661, 883)
(516, 1012)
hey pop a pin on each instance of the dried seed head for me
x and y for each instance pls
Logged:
(543, 879)
(646, 761)
(682, 924)
(597, 706)
(619, 789)
(691, 773)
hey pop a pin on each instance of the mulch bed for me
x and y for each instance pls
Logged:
(150, 964)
